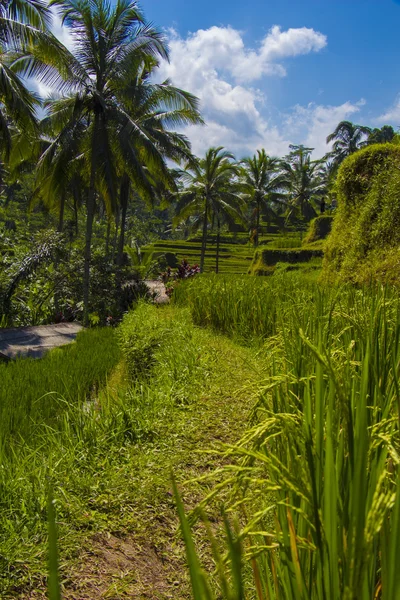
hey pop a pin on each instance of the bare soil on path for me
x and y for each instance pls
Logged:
(143, 556)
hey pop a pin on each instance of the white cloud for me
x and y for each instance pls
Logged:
(215, 65)
(222, 48)
(392, 115)
(313, 123)
(61, 32)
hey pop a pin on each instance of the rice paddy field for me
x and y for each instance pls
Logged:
(287, 386)
(236, 251)
(316, 476)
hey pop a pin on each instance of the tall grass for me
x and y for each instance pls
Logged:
(315, 478)
(33, 393)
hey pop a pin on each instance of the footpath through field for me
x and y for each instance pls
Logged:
(136, 552)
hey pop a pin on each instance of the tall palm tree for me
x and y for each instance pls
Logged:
(227, 208)
(94, 122)
(157, 107)
(347, 138)
(303, 181)
(24, 31)
(262, 185)
(209, 190)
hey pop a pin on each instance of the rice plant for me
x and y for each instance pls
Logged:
(34, 393)
(314, 480)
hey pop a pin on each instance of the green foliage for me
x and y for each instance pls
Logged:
(347, 139)
(316, 475)
(34, 393)
(265, 260)
(366, 228)
(305, 182)
(319, 229)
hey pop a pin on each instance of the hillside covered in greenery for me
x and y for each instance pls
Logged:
(238, 435)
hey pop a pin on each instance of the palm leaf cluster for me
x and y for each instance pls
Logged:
(109, 130)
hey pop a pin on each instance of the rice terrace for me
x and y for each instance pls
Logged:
(199, 300)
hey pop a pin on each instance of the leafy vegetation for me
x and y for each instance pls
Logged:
(319, 229)
(364, 239)
(316, 478)
(104, 191)
(108, 460)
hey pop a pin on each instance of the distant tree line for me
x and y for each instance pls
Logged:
(108, 138)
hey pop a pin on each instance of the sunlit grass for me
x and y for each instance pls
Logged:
(317, 473)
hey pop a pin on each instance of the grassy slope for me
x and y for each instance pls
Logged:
(111, 474)
(236, 252)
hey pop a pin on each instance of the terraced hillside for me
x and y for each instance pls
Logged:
(236, 252)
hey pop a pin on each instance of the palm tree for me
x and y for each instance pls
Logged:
(226, 209)
(347, 138)
(24, 33)
(156, 107)
(303, 181)
(262, 185)
(93, 122)
(209, 190)
(381, 136)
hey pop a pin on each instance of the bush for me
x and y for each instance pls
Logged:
(366, 225)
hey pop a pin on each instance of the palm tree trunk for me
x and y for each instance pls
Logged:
(57, 257)
(124, 198)
(258, 224)
(88, 243)
(115, 236)
(61, 215)
(76, 212)
(108, 236)
(218, 240)
(204, 236)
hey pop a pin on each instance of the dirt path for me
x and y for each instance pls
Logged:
(140, 555)
(158, 288)
(149, 561)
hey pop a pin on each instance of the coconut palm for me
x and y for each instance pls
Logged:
(347, 138)
(23, 33)
(94, 125)
(381, 136)
(227, 209)
(262, 184)
(157, 107)
(304, 182)
(210, 189)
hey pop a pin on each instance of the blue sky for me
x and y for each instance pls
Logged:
(275, 72)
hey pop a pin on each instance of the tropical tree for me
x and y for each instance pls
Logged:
(94, 125)
(24, 26)
(304, 182)
(381, 136)
(211, 189)
(262, 185)
(347, 139)
(157, 107)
